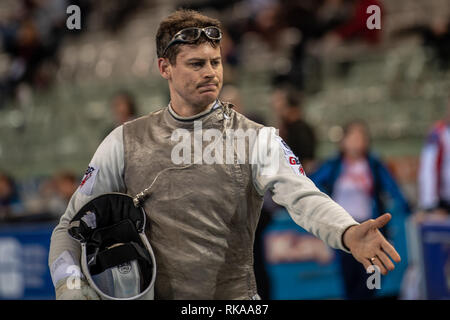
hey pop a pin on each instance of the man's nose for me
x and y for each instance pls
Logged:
(209, 71)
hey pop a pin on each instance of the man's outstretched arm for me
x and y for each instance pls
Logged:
(315, 211)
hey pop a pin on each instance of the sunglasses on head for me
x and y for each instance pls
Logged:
(189, 35)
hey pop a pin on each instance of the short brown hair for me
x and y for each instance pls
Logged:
(177, 21)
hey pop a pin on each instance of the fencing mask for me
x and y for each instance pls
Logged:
(116, 257)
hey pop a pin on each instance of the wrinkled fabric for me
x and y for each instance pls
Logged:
(202, 219)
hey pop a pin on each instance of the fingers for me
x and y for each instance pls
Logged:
(381, 221)
(385, 260)
(389, 249)
(377, 262)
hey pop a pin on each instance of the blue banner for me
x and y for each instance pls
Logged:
(436, 258)
(24, 272)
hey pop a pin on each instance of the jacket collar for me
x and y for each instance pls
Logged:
(210, 109)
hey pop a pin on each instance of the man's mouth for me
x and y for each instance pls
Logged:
(208, 87)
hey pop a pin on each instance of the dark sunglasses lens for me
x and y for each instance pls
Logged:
(213, 33)
(190, 34)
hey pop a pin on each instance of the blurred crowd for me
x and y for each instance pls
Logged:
(32, 32)
(31, 36)
(306, 31)
(48, 198)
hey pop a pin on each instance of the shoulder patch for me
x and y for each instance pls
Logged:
(291, 158)
(87, 183)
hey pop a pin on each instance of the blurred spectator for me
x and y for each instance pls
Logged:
(114, 14)
(231, 93)
(355, 28)
(298, 134)
(333, 13)
(66, 183)
(10, 203)
(230, 56)
(33, 34)
(300, 16)
(56, 192)
(123, 109)
(435, 36)
(434, 172)
(322, 26)
(266, 21)
(32, 38)
(259, 17)
(358, 181)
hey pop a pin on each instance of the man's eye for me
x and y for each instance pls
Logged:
(197, 64)
(215, 62)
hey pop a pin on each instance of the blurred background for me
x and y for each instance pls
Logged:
(366, 111)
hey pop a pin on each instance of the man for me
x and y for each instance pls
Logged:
(298, 134)
(202, 217)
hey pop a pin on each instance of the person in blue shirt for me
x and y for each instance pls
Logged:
(10, 203)
(359, 181)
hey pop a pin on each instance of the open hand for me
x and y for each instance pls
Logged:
(369, 247)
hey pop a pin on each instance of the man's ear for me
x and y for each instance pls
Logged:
(165, 68)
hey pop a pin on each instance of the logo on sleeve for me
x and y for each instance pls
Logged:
(87, 183)
(301, 170)
(293, 160)
(287, 150)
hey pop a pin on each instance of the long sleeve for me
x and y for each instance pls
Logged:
(104, 174)
(280, 171)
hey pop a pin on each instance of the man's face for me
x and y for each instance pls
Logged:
(196, 78)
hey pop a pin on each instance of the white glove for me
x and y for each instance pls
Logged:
(81, 292)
